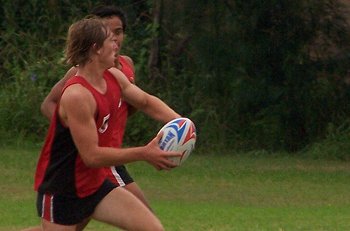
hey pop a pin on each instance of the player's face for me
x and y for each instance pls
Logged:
(116, 26)
(109, 49)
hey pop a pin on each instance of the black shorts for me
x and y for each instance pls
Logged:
(121, 176)
(69, 209)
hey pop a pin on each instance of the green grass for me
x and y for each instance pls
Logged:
(210, 192)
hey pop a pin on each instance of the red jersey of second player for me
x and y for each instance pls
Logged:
(122, 113)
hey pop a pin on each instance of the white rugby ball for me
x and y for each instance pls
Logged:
(178, 135)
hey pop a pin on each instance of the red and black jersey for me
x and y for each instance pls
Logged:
(60, 169)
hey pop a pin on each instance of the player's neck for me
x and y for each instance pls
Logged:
(93, 77)
(118, 65)
(91, 73)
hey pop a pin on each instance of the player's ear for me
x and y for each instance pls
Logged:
(95, 49)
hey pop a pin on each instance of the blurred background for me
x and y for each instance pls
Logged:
(270, 75)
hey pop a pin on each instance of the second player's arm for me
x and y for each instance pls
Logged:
(49, 104)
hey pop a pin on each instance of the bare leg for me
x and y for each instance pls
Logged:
(132, 187)
(122, 209)
(136, 190)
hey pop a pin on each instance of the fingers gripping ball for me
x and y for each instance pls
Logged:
(178, 135)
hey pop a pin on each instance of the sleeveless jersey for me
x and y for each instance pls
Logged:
(60, 169)
(121, 118)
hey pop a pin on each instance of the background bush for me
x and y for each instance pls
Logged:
(251, 74)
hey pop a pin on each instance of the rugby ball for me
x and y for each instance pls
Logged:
(178, 135)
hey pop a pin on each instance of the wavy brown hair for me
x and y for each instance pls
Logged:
(84, 36)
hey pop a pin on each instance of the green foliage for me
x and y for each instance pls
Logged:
(32, 41)
(251, 74)
(266, 69)
(140, 130)
(334, 147)
(21, 99)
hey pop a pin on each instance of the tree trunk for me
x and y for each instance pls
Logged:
(154, 62)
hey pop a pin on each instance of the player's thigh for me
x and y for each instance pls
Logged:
(122, 209)
(136, 190)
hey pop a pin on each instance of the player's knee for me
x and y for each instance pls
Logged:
(157, 227)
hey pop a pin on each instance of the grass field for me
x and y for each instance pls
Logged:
(210, 193)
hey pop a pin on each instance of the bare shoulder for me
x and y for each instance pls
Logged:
(76, 102)
(76, 94)
(121, 78)
(115, 71)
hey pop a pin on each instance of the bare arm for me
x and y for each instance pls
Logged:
(49, 104)
(149, 104)
(77, 108)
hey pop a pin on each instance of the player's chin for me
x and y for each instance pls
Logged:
(110, 64)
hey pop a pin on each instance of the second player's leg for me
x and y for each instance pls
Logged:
(136, 190)
(122, 209)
